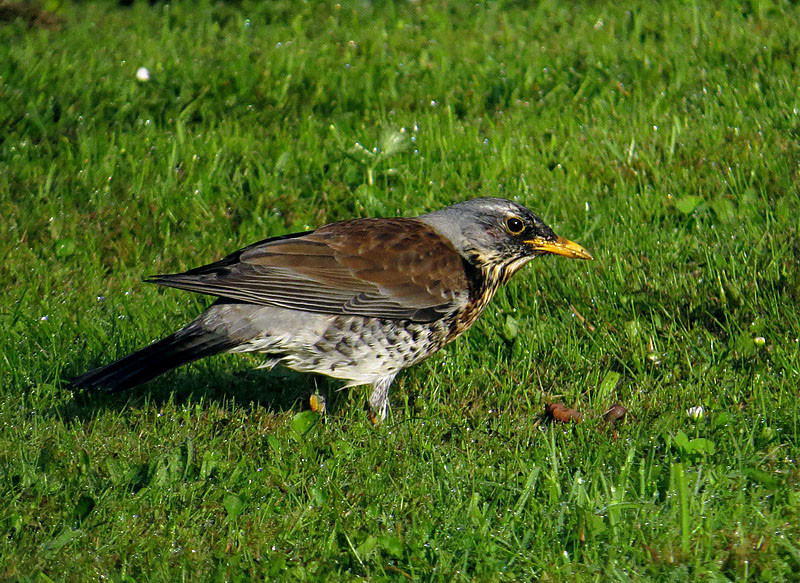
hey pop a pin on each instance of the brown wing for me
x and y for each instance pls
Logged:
(387, 268)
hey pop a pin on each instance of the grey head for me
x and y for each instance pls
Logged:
(495, 232)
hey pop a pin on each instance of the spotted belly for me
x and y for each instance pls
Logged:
(362, 350)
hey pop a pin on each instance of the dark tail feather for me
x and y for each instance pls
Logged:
(143, 365)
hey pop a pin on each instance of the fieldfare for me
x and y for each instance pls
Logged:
(356, 300)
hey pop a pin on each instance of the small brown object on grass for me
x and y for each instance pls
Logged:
(31, 13)
(317, 403)
(615, 413)
(563, 414)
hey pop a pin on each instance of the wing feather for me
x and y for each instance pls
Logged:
(385, 268)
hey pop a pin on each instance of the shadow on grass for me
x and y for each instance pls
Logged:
(277, 390)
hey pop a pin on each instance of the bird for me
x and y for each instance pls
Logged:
(357, 300)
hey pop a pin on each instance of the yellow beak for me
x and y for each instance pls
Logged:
(560, 246)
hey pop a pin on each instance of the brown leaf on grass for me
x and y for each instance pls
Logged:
(615, 413)
(563, 414)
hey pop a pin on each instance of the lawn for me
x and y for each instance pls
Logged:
(665, 138)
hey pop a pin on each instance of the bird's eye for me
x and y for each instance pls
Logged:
(514, 225)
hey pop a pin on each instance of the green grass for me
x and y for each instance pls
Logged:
(664, 138)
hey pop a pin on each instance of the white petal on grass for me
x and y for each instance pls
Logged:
(696, 413)
(143, 74)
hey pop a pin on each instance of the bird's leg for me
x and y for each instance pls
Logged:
(379, 399)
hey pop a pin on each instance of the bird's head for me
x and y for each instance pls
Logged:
(499, 233)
